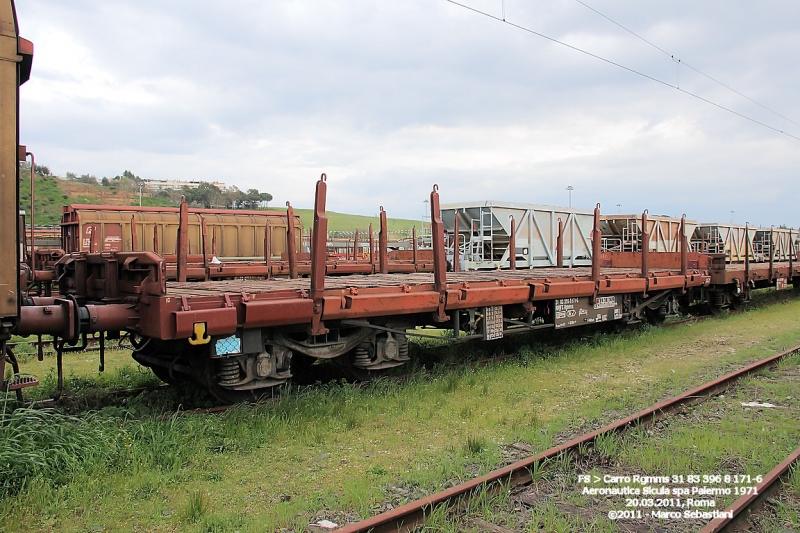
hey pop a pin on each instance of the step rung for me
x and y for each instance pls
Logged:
(20, 382)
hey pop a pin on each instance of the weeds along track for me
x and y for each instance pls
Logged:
(754, 508)
(455, 504)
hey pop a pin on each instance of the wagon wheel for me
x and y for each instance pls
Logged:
(355, 373)
(209, 380)
(303, 370)
(653, 316)
(163, 374)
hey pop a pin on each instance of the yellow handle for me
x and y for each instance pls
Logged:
(200, 336)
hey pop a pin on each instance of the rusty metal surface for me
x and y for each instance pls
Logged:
(10, 80)
(389, 280)
(409, 516)
(283, 301)
(318, 251)
(235, 234)
(745, 505)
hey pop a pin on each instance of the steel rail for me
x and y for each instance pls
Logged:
(407, 517)
(742, 508)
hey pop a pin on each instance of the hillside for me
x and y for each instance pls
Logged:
(52, 193)
(341, 222)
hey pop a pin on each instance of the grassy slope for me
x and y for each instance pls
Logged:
(346, 223)
(49, 199)
(330, 450)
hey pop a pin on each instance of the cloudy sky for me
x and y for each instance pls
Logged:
(389, 98)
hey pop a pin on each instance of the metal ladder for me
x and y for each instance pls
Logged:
(631, 238)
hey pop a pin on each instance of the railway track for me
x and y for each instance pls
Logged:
(413, 515)
(748, 504)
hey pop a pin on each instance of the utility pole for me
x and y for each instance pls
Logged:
(140, 194)
(570, 188)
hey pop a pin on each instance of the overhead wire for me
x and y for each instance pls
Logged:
(684, 63)
(619, 65)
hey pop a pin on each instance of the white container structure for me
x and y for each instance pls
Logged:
(729, 239)
(623, 233)
(484, 230)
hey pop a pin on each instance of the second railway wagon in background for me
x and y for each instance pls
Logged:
(623, 233)
(224, 234)
(736, 241)
(485, 233)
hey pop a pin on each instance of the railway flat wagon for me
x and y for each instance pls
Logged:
(228, 235)
(485, 235)
(239, 336)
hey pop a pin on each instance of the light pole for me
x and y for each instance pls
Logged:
(732, 217)
(618, 208)
(140, 195)
(570, 188)
(424, 213)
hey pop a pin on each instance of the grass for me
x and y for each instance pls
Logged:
(340, 452)
(719, 436)
(341, 222)
(50, 196)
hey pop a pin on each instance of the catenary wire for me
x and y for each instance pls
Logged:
(684, 63)
(633, 71)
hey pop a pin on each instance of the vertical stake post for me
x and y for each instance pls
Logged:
(684, 247)
(771, 254)
(133, 233)
(155, 239)
(439, 260)
(290, 243)
(597, 237)
(383, 244)
(559, 245)
(268, 249)
(204, 245)
(414, 247)
(747, 256)
(645, 246)
(371, 248)
(456, 251)
(182, 248)
(319, 254)
(512, 244)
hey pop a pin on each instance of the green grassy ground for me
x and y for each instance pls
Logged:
(341, 452)
(347, 223)
(49, 198)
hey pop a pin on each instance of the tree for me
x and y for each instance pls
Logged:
(41, 169)
(206, 194)
(234, 198)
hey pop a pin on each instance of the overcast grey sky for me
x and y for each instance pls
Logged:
(388, 98)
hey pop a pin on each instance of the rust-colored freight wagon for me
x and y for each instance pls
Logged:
(226, 234)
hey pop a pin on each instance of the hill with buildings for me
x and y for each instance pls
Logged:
(53, 192)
